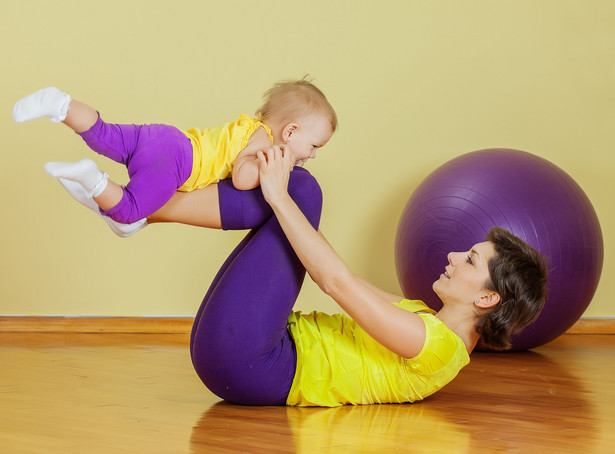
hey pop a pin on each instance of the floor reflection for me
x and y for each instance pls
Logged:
(526, 399)
(501, 402)
(226, 427)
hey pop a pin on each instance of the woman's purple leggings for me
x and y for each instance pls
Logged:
(158, 159)
(240, 346)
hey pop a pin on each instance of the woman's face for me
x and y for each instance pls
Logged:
(464, 278)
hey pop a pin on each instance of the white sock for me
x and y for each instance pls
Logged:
(84, 172)
(47, 102)
(79, 193)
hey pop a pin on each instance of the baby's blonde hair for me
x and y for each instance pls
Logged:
(290, 100)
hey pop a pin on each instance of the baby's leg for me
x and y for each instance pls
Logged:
(116, 142)
(58, 106)
(93, 189)
(158, 159)
(241, 348)
(96, 184)
(143, 195)
(82, 196)
(80, 117)
(47, 102)
(85, 172)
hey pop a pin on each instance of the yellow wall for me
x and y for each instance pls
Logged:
(415, 83)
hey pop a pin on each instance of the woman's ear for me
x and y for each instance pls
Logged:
(487, 301)
(288, 131)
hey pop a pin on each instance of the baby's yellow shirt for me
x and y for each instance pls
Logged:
(214, 150)
(338, 363)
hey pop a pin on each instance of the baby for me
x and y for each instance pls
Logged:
(162, 159)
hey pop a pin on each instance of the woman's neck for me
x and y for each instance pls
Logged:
(461, 323)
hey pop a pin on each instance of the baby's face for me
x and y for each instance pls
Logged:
(313, 132)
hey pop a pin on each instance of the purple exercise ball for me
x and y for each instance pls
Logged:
(457, 204)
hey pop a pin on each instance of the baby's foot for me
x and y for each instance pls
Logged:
(79, 193)
(47, 102)
(84, 172)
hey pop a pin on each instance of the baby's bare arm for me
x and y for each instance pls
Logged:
(245, 170)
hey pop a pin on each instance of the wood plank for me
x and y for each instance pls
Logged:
(181, 325)
(157, 325)
(593, 326)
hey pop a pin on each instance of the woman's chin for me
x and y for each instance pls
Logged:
(435, 286)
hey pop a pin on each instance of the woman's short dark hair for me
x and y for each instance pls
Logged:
(518, 273)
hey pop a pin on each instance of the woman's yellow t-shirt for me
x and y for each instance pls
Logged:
(214, 150)
(338, 363)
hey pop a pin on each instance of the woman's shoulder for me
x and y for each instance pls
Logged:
(441, 343)
(417, 306)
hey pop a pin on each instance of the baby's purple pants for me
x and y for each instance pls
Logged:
(158, 159)
(240, 346)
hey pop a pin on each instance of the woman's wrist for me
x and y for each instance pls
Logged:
(280, 201)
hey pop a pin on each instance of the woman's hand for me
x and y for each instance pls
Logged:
(275, 165)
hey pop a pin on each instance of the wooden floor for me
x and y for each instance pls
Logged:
(113, 393)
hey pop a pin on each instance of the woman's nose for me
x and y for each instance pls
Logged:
(452, 257)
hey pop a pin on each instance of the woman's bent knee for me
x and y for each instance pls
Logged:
(307, 194)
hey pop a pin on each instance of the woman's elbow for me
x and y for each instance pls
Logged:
(337, 283)
(328, 288)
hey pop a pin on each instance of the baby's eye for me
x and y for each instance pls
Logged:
(469, 260)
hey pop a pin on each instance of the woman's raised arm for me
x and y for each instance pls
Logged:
(398, 330)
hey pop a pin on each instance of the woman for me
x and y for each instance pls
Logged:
(248, 346)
